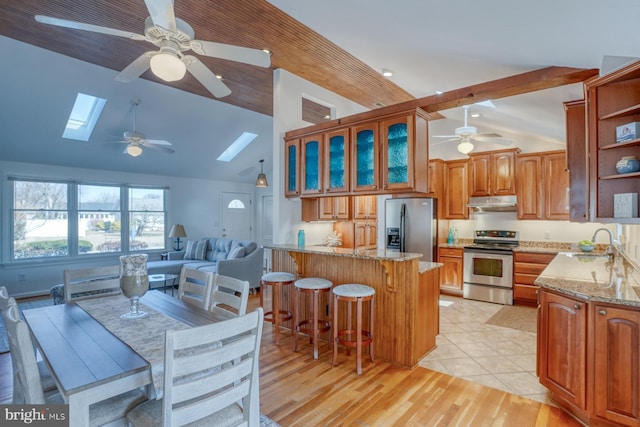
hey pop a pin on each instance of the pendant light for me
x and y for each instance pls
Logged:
(262, 178)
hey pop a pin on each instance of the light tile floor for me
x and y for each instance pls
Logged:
(494, 356)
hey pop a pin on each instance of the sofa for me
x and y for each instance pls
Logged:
(241, 259)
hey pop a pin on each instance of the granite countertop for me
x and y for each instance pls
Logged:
(532, 246)
(424, 266)
(593, 278)
(379, 254)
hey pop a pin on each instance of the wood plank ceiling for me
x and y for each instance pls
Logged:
(250, 23)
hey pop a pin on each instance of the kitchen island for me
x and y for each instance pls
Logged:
(406, 315)
(589, 337)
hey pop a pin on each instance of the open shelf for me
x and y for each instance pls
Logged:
(628, 111)
(621, 175)
(630, 143)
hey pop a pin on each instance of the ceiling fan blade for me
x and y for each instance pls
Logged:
(88, 27)
(162, 13)
(442, 142)
(494, 140)
(136, 68)
(146, 144)
(158, 141)
(488, 135)
(444, 136)
(245, 55)
(206, 77)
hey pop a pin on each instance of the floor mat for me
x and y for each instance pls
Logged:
(515, 317)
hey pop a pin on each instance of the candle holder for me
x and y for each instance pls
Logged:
(134, 283)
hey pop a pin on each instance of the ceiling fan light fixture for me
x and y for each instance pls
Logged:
(261, 182)
(134, 150)
(167, 66)
(465, 146)
(386, 72)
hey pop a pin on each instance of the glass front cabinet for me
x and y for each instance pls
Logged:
(292, 168)
(311, 167)
(366, 155)
(336, 165)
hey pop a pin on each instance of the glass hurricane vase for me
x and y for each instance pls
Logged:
(134, 283)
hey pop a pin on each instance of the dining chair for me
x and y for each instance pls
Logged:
(46, 378)
(229, 292)
(93, 282)
(195, 287)
(210, 376)
(104, 412)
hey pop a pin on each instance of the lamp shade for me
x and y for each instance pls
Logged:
(167, 66)
(177, 230)
(262, 178)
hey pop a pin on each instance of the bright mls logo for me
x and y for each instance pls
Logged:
(36, 415)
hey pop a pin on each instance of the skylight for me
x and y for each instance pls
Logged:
(237, 146)
(84, 116)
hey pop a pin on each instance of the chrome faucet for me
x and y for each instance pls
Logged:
(609, 251)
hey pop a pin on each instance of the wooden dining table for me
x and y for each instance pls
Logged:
(88, 362)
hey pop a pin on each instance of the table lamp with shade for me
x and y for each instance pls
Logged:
(177, 231)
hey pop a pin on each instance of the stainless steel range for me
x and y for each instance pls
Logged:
(488, 266)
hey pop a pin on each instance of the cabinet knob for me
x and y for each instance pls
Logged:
(576, 306)
(603, 312)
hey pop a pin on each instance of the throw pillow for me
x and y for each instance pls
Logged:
(190, 250)
(236, 252)
(201, 249)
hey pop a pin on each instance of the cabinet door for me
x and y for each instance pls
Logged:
(366, 235)
(451, 273)
(372, 235)
(528, 187)
(562, 346)
(333, 208)
(366, 155)
(456, 189)
(311, 152)
(577, 149)
(397, 153)
(616, 364)
(336, 154)
(503, 174)
(479, 173)
(365, 207)
(435, 179)
(292, 168)
(556, 186)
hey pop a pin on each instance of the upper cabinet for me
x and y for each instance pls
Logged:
(577, 149)
(292, 168)
(381, 156)
(336, 166)
(542, 186)
(456, 190)
(366, 157)
(493, 173)
(311, 165)
(365, 207)
(612, 100)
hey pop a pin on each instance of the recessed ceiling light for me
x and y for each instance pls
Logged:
(327, 117)
(439, 92)
(475, 115)
(218, 76)
(387, 73)
(266, 51)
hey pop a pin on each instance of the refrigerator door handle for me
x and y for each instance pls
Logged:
(403, 212)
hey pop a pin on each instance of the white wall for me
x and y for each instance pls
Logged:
(288, 90)
(195, 203)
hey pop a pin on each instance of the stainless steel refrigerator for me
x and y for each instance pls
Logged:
(411, 226)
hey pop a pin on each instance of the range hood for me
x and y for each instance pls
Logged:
(493, 203)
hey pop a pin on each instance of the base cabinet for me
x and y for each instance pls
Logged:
(595, 347)
(527, 266)
(451, 272)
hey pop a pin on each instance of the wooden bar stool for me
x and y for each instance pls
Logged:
(314, 326)
(276, 316)
(353, 293)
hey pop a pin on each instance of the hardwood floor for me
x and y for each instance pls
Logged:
(296, 390)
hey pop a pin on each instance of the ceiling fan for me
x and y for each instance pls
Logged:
(174, 37)
(465, 134)
(136, 140)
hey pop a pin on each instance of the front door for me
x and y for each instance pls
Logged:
(236, 216)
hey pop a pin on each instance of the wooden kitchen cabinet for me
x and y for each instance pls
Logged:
(451, 278)
(326, 208)
(292, 168)
(577, 149)
(527, 266)
(365, 160)
(456, 189)
(365, 207)
(542, 186)
(562, 349)
(612, 100)
(616, 379)
(436, 178)
(337, 165)
(493, 173)
(358, 234)
(311, 165)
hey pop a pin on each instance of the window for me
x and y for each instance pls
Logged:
(66, 219)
